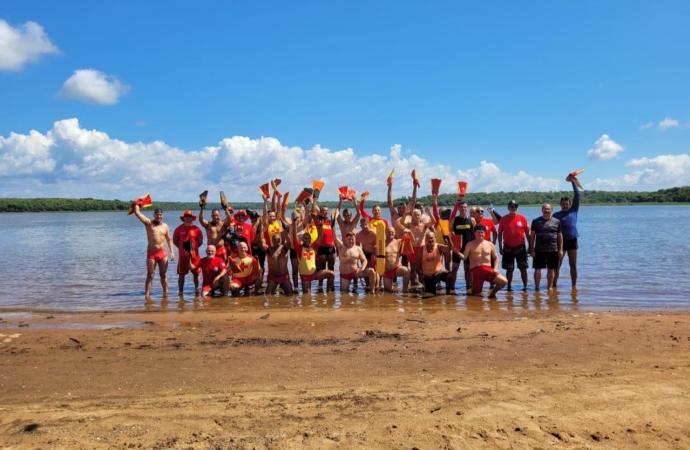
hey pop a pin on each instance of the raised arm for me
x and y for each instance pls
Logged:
(142, 218)
(170, 244)
(389, 198)
(576, 198)
(202, 221)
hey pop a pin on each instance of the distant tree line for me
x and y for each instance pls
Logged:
(672, 195)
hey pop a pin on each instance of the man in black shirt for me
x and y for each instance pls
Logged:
(545, 245)
(461, 234)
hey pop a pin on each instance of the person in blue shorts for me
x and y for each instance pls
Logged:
(568, 218)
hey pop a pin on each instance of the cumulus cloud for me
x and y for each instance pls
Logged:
(659, 172)
(74, 161)
(92, 86)
(667, 123)
(22, 44)
(604, 148)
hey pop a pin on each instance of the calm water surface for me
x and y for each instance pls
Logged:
(630, 257)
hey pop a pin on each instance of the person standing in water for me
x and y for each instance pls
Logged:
(157, 235)
(568, 217)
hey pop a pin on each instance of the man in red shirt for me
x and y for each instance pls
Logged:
(479, 219)
(214, 272)
(187, 238)
(513, 230)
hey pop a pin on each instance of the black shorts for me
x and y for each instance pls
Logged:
(513, 254)
(547, 260)
(570, 244)
(326, 251)
(430, 282)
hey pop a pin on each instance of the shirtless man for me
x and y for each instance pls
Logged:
(393, 267)
(418, 229)
(353, 263)
(483, 261)
(277, 258)
(306, 261)
(366, 239)
(214, 273)
(245, 270)
(188, 238)
(346, 222)
(215, 229)
(157, 235)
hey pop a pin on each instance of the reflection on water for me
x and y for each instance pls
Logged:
(521, 301)
(96, 260)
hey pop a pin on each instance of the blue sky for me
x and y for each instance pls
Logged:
(527, 87)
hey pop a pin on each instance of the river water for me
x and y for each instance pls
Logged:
(630, 257)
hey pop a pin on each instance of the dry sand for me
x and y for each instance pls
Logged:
(324, 378)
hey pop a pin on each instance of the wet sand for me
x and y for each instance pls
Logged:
(345, 378)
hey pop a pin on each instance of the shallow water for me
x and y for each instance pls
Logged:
(630, 257)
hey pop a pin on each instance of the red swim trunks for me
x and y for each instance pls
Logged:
(348, 276)
(241, 282)
(481, 274)
(221, 253)
(391, 274)
(157, 255)
(184, 263)
(308, 278)
(278, 279)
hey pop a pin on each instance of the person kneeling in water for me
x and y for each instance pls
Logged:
(245, 270)
(353, 263)
(432, 264)
(214, 273)
(483, 263)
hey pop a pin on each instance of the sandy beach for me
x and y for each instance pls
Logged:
(253, 378)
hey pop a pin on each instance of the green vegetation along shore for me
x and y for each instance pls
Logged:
(673, 195)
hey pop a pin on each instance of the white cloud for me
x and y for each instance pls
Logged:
(604, 148)
(73, 161)
(667, 123)
(92, 86)
(647, 125)
(23, 44)
(659, 172)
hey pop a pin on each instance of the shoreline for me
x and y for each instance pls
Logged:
(429, 378)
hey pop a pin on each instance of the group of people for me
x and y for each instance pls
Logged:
(420, 248)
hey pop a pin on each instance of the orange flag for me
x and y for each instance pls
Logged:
(389, 180)
(343, 191)
(435, 185)
(265, 193)
(462, 188)
(143, 202)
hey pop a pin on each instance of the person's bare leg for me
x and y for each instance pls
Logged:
(295, 278)
(330, 263)
(572, 260)
(403, 272)
(499, 283)
(148, 284)
(271, 288)
(195, 277)
(453, 274)
(388, 285)
(344, 285)
(163, 273)
(523, 275)
(509, 277)
(549, 278)
(320, 265)
(537, 278)
(372, 276)
(180, 283)
(287, 288)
